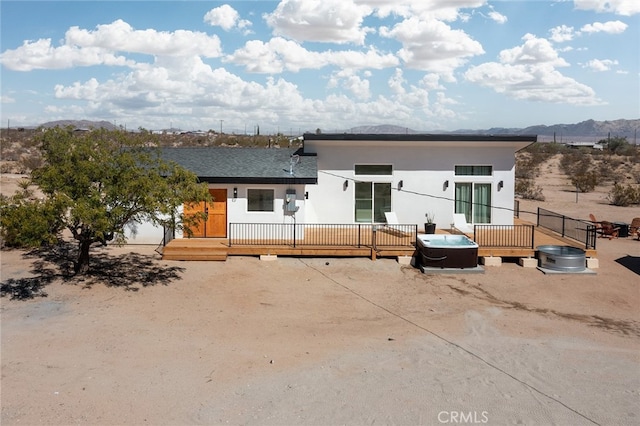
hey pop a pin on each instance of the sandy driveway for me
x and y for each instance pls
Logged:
(324, 341)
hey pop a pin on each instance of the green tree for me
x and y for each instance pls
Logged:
(94, 184)
(616, 145)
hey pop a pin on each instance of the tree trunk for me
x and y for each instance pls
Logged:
(82, 265)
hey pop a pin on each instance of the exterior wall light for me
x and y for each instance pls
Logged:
(500, 185)
(235, 193)
(445, 185)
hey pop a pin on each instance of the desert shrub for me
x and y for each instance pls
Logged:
(606, 172)
(583, 176)
(7, 167)
(30, 162)
(527, 189)
(614, 161)
(527, 167)
(624, 195)
(585, 182)
(10, 154)
(541, 152)
(570, 159)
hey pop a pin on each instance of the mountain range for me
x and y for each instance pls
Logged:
(589, 129)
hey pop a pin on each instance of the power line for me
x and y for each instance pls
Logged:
(438, 197)
(451, 343)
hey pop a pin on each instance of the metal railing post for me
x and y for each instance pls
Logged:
(533, 236)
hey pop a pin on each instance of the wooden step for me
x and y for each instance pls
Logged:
(194, 256)
(194, 252)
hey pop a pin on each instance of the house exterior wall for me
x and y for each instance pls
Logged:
(237, 212)
(423, 167)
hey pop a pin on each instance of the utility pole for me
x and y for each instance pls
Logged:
(221, 126)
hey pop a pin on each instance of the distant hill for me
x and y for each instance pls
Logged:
(589, 129)
(383, 129)
(81, 124)
(586, 129)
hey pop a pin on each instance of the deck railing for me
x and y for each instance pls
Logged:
(575, 229)
(345, 235)
(519, 236)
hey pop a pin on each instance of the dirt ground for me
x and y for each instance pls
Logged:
(325, 341)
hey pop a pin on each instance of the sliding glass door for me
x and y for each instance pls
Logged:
(474, 200)
(372, 200)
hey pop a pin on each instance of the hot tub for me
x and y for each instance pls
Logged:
(562, 258)
(447, 251)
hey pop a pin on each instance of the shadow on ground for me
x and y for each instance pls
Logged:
(129, 271)
(632, 263)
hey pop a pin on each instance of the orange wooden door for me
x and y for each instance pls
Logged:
(198, 227)
(215, 226)
(217, 214)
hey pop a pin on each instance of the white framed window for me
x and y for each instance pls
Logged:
(373, 169)
(474, 200)
(474, 170)
(260, 200)
(373, 195)
(372, 200)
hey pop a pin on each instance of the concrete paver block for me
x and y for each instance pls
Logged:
(491, 260)
(528, 262)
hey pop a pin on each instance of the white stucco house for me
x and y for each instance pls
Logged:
(347, 178)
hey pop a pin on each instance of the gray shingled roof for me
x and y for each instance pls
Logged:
(244, 165)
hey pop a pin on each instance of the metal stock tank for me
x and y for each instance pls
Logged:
(562, 258)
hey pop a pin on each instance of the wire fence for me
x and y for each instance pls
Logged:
(576, 229)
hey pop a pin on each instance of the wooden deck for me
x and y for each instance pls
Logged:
(396, 244)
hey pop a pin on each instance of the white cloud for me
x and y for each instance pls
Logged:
(433, 45)
(396, 82)
(620, 7)
(611, 27)
(534, 51)
(562, 33)
(528, 72)
(279, 54)
(600, 65)
(498, 17)
(40, 54)
(445, 10)
(275, 56)
(119, 36)
(371, 59)
(565, 33)
(86, 48)
(350, 81)
(335, 21)
(4, 99)
(226, 17)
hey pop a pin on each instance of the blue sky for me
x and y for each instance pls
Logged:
(298, 65)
